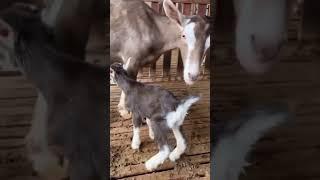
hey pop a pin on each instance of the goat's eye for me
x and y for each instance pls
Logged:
(183, 36)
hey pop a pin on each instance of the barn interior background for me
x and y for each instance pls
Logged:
(167, 72)
(292, 150)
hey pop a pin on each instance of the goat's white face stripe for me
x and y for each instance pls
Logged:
(193, 68)
(190, 36)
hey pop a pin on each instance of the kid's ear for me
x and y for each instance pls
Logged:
(126, 65)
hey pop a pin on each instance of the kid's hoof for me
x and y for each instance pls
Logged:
(124, 113)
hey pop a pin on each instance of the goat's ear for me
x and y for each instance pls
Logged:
(126, 65)
(172, 12)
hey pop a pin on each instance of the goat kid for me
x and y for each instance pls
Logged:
(74, 125)
(161, 109)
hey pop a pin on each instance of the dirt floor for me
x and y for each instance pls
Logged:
(292, 150)
(129, 164)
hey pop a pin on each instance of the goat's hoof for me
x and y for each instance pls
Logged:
(174, 156)
(124, 113)
(135, 145)
(151, 165)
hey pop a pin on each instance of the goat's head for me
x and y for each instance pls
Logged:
(25, 22)
(193, 41)
(260, 32)
(118, 70)
(21, 21)
(22, 18)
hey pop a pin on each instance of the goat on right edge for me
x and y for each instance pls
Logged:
(161, 109)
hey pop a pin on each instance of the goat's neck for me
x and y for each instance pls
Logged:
(169, 33)
(125, 83)
(34, 60)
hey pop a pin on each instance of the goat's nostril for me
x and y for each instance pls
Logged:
(193, 77)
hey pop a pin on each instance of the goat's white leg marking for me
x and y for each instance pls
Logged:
(158, 159)
(135, 144)
(151, 134)
(181, 145)
(122, 108)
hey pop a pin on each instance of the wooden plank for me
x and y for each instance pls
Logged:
(180, 66)
(187, 8)
(167, 65)
(152, 71)
(202, 9)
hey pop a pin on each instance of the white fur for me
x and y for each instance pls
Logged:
(135, 144)
(158, 159)
(207, 44)
(151, 134)
(181, 145)
(230, 153)
(122, 108)
(190, 35)
(176, 118)
(192, 68)
(126, 65)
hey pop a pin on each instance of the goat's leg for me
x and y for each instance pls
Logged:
(137, 122)
(132, 72)
(161, 139)
(44, 162)
(122, 108)
(181, 144)
(151, 134)
(159, 158)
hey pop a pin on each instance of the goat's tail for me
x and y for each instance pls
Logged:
(234, 139)
(176, 118)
